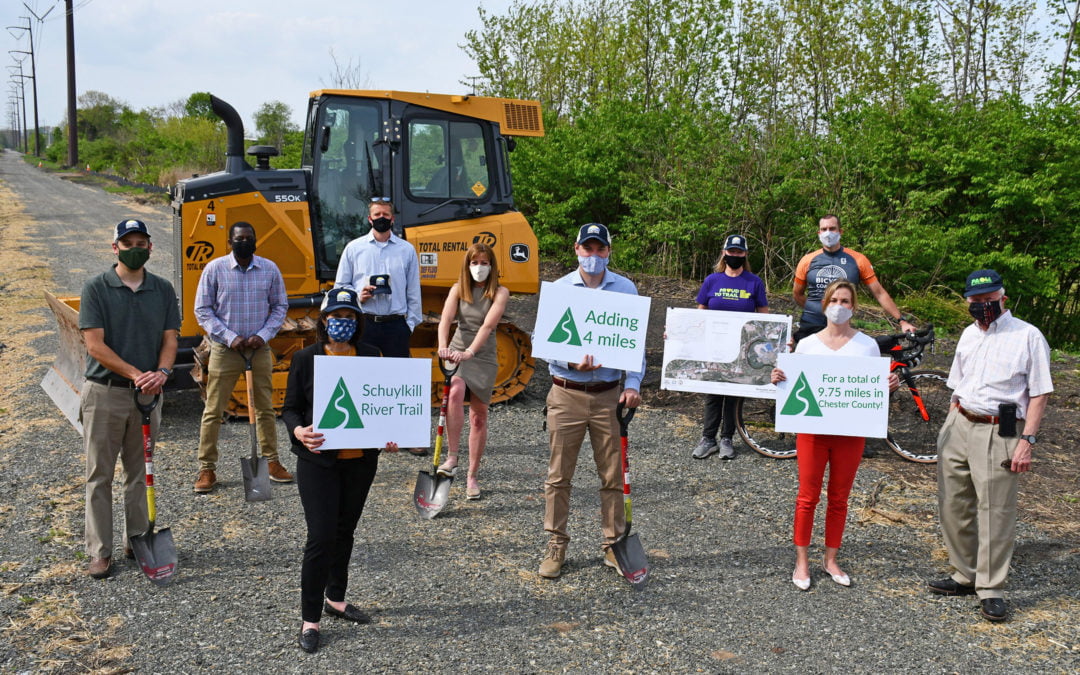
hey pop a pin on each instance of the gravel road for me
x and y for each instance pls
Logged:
(461, 592)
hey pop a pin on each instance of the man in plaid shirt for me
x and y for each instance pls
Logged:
(241, 304)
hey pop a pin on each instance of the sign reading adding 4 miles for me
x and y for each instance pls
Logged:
(572, 321)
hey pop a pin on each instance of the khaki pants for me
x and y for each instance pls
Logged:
(225, 367)
(112, 427)
(976, 502)
(570, 414)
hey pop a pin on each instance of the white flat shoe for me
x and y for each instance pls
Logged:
(842, 579)
(801, 584)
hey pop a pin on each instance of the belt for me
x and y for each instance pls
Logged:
(980, 419)
(578, 386)
(109, 382)
(384, 318)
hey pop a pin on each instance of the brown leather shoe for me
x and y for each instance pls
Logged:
(99, 567)
(206, 481)
(278, 473)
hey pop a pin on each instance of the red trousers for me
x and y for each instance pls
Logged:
(842, 454)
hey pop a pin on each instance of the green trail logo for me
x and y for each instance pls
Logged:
(566, 330)
(801, 400)
(340, 411)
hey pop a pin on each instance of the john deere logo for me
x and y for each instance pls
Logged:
(801, 400)
(566, 330)
(340, 411)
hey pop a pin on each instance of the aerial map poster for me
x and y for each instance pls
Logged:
(732, 353)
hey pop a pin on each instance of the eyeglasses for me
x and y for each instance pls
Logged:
(380, 199)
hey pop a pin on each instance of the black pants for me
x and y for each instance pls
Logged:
(805, 330)
(333, 499)
(716, 408)
(391, 338)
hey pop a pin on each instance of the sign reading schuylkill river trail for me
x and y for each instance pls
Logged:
(838, 395)
(366, 402)
(572, 321)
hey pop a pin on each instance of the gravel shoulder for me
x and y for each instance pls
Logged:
(461, 591)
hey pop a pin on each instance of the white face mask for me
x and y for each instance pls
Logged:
(480, 272)
(838, 314)
(829, 238)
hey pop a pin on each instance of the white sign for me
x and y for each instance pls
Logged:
(727, 353)
(838, 395)
(573, 321)
(366, 402)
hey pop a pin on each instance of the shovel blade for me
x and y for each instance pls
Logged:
(256, 479)
(633, 564)
(431, 494)
(156, 554)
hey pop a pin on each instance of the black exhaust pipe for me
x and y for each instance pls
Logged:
(234, 128)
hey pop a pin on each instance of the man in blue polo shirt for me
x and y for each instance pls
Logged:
(584, 397)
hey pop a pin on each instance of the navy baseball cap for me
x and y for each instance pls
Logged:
(594, 231)
(982, 281)
(736, 241)
(126, 227)
(340, 298)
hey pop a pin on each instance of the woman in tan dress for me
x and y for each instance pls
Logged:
(480, 301)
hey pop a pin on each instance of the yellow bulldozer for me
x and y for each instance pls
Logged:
(443, 160)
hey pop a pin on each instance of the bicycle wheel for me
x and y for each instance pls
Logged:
(756, 420)
(910, 436)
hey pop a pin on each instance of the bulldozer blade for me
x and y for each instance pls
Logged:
(633, 564)
(156, 554)
(63, 381)
(431, 494)
(256, 472)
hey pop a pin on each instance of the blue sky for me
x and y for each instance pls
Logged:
(153, 52)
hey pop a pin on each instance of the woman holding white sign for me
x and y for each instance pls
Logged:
(333, 484)
(479, 300)
(732, 288)
(815, 452)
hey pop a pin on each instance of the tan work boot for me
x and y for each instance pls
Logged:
(278, 473)
(610, 561)
(99, 567)
(206, 481)
(551, 565)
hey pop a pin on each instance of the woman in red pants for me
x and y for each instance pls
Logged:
(842, 454)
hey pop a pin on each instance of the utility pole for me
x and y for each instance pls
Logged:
(33, 73)
(22, 84)
(73, 124)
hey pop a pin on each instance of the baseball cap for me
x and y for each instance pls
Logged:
(735, 241)
(594, 231)
(126, 227)
(982, 281)
(340, 298)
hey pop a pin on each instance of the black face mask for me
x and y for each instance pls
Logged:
(381, 224)
(986, 312)
(244, 249)
(735, 262)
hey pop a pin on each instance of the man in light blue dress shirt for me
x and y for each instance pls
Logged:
(584, 397)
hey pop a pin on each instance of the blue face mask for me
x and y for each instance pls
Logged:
(592, 264)
(340, 330)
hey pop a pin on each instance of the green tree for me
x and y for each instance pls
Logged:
(273, 120)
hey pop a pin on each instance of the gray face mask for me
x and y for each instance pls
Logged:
(829, 238)
(838, 314)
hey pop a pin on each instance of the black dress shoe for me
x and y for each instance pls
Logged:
(309, 640)
(993, 609)
(351, 613)
(949, 586)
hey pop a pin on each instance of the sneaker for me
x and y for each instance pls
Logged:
(551, 565)
(99, 567)
(206, 481)
(610, 561)
(727, 450)
(278, 473)
(705, 448)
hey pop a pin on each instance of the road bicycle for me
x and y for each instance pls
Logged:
(916, 410)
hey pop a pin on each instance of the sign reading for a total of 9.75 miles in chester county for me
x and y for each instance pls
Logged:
(572, 321)
(840, 396)
(366, 402)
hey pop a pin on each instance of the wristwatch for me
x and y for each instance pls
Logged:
(168, 373)
(1029, 438)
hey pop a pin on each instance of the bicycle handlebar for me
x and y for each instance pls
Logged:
(906, 347)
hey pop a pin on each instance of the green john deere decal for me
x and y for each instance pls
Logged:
(801, 400)
(340, 411)
(566, 330)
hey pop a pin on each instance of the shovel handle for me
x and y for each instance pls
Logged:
(624, 415)
(148, 454)
(148, 408)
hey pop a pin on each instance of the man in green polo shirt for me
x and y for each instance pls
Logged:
(130, 320)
